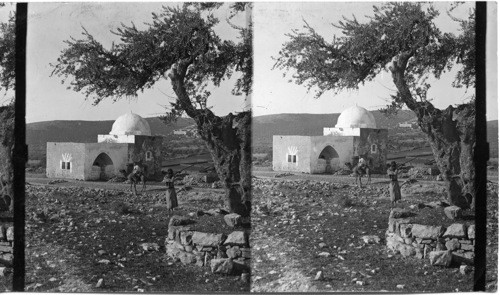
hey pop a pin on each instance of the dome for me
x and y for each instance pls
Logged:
(356, 117)
(130, 124)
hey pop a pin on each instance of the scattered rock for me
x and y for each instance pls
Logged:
(400, 286)
(319, 276)
(150, 246)
(324, 254)
(322, 245)
(101, 252)
(371, 239)
(104, 261)
(440, 258)
(100, 283)
(466, 269)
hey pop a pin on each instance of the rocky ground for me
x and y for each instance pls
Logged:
(101, 238)
(308, 236)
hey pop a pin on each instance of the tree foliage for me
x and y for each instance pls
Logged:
(365, 49)
(8, 54)
(145, 56)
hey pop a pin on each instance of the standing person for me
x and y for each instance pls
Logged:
(171, 195)
(394, 189)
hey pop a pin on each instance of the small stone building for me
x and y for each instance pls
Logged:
(355, 135)
(129, 142)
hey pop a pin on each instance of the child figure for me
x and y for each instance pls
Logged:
(394, 189)
(170, 195)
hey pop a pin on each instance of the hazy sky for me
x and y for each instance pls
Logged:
(49, 24)
(275, 94)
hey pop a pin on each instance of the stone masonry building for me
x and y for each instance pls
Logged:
(355, 135)
(129, 142)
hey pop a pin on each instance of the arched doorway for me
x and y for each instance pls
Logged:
(329, 158)
(103, 167)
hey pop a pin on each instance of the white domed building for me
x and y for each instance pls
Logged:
(129, 141)
(354, 136)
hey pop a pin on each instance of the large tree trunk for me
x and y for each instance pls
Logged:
(6, 168)
(451, 135)
(228, 140)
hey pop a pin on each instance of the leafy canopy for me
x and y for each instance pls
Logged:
(8, 54)
(142, 57)
(365, 49)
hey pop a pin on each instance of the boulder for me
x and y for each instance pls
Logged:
(207, 239)
(237, 238)
(456, 230)
(452, 245)
(440, 258)
(222, 266)
(453, 212)
(471, 231)
(427, 231)
(232, 219)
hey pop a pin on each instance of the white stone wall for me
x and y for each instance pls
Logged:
(118, 152)
(71, 152)
(112, 138)
(300, 146)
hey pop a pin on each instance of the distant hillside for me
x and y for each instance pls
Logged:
(492, 137)
(39, 133)
(264, 127)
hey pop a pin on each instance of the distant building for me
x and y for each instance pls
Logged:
(129, 141)
(355, 135)
(405, 125)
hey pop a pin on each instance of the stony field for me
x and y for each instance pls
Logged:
(308, 236)
(103, 239)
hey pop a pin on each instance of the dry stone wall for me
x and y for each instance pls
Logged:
(441, 245)
(224, 254)
(6, 246)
